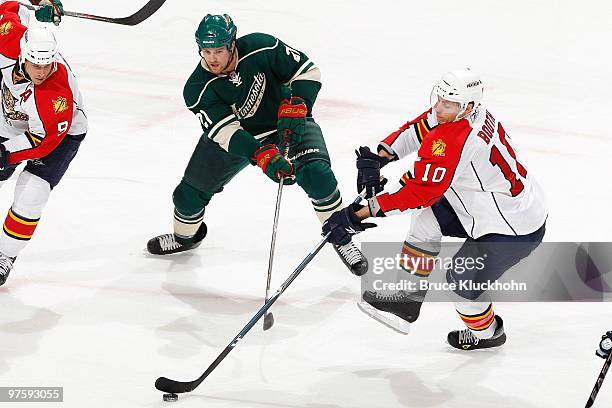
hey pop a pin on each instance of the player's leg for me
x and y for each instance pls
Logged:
(498, 253)
(314, 174)
(32, 192)
(209, 169)
(397, 308)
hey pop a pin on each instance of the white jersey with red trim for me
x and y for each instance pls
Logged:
(37, 118)
(473, 163)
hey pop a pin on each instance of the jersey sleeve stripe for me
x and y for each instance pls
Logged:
(223, 134)
(307, 72)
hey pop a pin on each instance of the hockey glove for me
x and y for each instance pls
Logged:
(51, 11)
(3, 157)
(273, 163)
(343, 224)
(368, 171)
(291, 123)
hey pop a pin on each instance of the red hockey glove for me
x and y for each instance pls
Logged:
(291, 123)
(272, 162)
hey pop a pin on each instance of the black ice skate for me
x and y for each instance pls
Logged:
(395, 310)
(465, 339)
(352, 257)
(167, 243)
(6, 265)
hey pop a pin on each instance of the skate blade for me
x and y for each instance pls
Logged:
(388, 319)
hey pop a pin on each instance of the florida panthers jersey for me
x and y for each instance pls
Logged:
(473, 163)
(37, 118)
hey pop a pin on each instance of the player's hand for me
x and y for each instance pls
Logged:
(273, 164)
(368, 171)
(51, 11)
(343, 224)
(3, 157)
(291, 123)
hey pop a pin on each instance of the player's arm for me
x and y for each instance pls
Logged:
(15, 8)
(295, 69)
(440, 157)
(218, 120)
(48, 122)
(408, 138)
(222, 126)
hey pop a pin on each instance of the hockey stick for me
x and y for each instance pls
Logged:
(141, 15)
(177, 387)
(269, 317)
(602, 375)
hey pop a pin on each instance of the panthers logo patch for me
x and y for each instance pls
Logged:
(438, 147)
(60, 105)
(6, 28)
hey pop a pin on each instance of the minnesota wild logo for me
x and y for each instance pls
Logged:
(5, 28)
(60, 105)
(438, 147)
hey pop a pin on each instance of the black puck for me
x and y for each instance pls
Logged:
(170, 397)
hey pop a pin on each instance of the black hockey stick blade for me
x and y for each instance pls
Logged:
(268, 321)
(141, 15)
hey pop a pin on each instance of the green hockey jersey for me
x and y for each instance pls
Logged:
(239, 110)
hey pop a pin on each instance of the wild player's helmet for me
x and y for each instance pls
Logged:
(462, 86)
(38, 45)
(216, 31)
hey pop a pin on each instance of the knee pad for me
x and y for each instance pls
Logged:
(31, 195)
(189, 201)
(317, 179)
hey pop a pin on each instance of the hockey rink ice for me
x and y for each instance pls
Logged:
(86, 309)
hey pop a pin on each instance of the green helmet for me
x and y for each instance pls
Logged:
(216, 31)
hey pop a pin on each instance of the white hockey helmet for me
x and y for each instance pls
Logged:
(38, 45)
(462, 86)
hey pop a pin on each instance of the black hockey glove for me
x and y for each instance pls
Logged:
(3, 157)
(343, 224)
(368, 171)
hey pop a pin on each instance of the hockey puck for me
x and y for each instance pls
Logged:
(170, 397)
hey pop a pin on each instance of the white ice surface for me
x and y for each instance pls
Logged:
(85, 309)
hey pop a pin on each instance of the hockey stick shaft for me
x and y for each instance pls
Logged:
(268, 318)
(141, 15)
(177, 387)
(602, 375)
(168, 385)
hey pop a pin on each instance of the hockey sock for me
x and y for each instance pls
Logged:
(31, 196)
(318, 181)
(185, 227)
(479, 317)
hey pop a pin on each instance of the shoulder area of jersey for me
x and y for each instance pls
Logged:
(254, 41)
(11, 31)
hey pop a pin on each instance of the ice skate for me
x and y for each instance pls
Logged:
(465, 339)
(352, 257)
(167, 243)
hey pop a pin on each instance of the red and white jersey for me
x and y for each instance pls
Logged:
(473, 163)
(37, 118)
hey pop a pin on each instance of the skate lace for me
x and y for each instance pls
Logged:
(466, 337)
(350, 252)
(391, 297)
(167, 242)
(6, 264)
